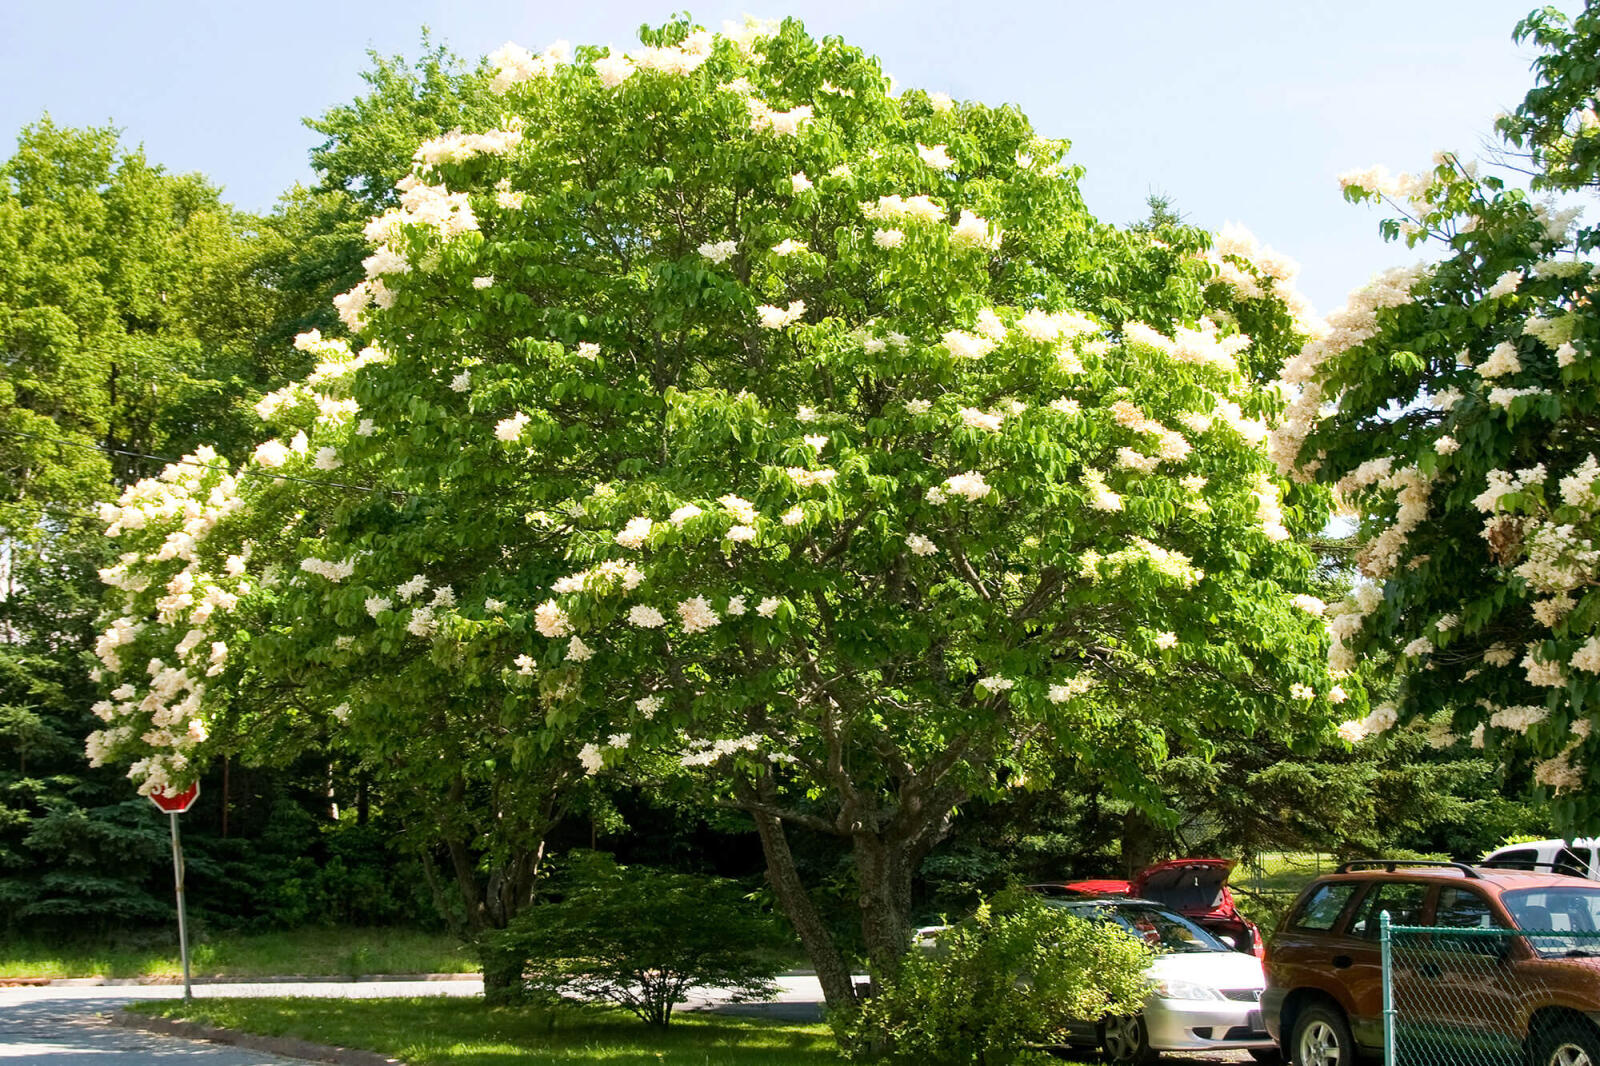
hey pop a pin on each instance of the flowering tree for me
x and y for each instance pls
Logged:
(1454, 407)
(724, 405)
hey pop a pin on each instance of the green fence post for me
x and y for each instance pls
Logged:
(1388, 989)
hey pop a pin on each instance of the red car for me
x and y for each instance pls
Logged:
(1195, 888)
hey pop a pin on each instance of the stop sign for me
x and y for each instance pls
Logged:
(176, 802)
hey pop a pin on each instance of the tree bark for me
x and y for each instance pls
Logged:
(1138, 841)
(883, 870)
(838, 987)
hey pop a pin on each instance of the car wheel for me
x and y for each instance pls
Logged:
(1127, 1042)
(1322, 1037)
(1267, 1056)
(1566, 1044)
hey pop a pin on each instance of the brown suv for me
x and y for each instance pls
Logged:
(1324, 996)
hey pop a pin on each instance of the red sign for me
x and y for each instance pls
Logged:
(176, 802)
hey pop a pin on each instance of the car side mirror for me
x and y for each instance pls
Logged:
(1233, 945)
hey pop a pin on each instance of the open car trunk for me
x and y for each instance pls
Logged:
(1192, 887)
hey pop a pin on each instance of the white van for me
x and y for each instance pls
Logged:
(1575, 857)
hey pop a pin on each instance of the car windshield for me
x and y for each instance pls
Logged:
(1156, 926)
(1571, 914)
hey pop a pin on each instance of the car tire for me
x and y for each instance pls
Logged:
(1321, 1037)
(1126, 1042)
(1267, 1056)
(1566, 1043)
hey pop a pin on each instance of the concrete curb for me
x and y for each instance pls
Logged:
(272, 1045)
(289, 979)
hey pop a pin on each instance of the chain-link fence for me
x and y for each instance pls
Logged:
(1477, 995)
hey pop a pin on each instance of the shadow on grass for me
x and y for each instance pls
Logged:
(431, 1031)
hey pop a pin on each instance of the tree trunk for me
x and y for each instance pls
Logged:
(883, 868)
(838, 988)
(1138, 841)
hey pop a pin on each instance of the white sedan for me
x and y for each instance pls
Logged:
(1205, 996)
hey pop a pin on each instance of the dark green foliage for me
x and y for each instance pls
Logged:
(1012, 977)
(641, 937)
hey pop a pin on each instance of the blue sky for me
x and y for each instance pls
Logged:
(1240, 110)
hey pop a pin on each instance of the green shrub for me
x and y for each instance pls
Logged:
(641, 937)
(1011, 978)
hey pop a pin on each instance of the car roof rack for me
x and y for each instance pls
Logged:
(1391, 865)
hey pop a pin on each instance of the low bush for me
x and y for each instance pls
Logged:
(641, 937)
(1009, 980)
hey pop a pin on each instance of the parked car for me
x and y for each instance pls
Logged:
(1538, 997)
(1195, 888)
(1205, 996)
(1579, 858)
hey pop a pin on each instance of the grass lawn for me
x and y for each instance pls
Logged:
(310, 952)
(468, 1032)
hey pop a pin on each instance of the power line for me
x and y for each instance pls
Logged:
(190, 462)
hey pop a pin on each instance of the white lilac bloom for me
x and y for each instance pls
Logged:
(974, 231)
(696, 615)
(524, 665)
(646, 617)
(940, 101)
(648, 705)
(888, 239)
(779, 317)
(735, 607)
(921, 545)
(327, 459)
(551, 621)
(1503, 360)
(741, 534)
(1166, 640)
(588, 350)
(970, 486)
(578, 651)
(936, 157)
(634, 534)
(995, 684)
(789, 246)
(461, 382)
(975, 419)
(422, 622)
(918, 407)
(493, 606)
(591, 759)
(510, 429)
(444, 596)
(413, 588)
(799, 182)
(272, 453)
(1302, 692)
(366, 428)
(719, 251)
(613, 70)
(768, 607)
(817, 441)
(482, 282)
(964, 345)
(683, 514)
(794, 516)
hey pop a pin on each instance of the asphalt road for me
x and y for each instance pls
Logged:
(59, 1025)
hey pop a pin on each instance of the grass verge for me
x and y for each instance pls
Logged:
(311, 952)
(426, 1031)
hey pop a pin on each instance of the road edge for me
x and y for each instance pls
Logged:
(289, 1047)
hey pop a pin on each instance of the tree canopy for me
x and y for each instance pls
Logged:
(723, 411)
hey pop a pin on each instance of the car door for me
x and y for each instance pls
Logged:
(1458, 991)
(1360, 957)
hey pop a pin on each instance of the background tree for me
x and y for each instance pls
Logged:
(1454, 406)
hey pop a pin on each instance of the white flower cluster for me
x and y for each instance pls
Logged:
(457, 147)
(514, 64)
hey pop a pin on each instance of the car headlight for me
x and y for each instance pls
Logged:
(1185, 990)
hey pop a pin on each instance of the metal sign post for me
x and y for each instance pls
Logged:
(1386, 955)
(175, 804)
(183, 920)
